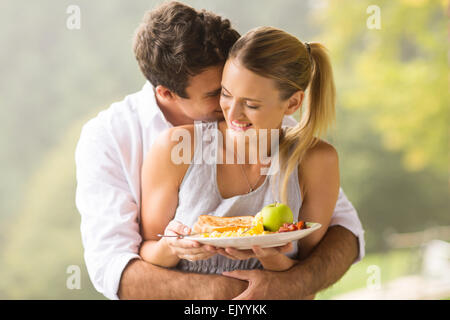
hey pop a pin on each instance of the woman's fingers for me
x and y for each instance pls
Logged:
(286, 248)
(222, 252)
(184, 248)
(268, 252)
(175, 227)
(183, 243)
(236, 254)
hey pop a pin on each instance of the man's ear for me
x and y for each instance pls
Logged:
(164, 94)
(295, 102)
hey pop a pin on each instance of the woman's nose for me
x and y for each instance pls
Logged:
(234, 110)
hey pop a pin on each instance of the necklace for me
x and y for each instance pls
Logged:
(246, 178)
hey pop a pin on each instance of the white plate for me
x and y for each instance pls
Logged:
(263, 240)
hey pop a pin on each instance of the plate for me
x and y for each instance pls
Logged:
(263, 240)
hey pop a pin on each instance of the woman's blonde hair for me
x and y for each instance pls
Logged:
(275, 54)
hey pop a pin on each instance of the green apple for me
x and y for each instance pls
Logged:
(275, 215)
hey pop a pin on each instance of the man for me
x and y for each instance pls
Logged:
(181, 52)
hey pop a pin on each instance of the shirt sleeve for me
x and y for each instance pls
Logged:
(108, 209)
(345, 215)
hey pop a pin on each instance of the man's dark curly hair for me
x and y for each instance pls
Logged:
(175, 41)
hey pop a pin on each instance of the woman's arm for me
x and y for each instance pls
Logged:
(160, 180)
(318, 176)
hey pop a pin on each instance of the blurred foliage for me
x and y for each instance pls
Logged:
(392, 120)
(394, 264)
(45, 238)
(391, 131)
(398, 74)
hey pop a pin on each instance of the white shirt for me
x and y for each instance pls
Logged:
(109, 157)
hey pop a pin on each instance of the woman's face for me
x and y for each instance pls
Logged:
(250, 101)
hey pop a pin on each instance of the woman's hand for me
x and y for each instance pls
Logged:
(184, 248)
(271, 258)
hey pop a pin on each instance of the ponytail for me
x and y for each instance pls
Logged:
(318, 116)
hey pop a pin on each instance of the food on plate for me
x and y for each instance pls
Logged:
(241, 226)
(279, 218)
(209, 224)
(275, 215)
(293, 226)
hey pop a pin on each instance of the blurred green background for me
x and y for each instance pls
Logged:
(391, 130)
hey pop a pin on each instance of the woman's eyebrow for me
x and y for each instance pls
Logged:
(244, 98)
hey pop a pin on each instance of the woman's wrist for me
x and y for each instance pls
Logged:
(169, 253)
(159, 253)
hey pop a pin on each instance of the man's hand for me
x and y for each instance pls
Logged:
(262, 285)
(326, 264)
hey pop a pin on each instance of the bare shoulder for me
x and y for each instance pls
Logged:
(322, 154)
(319, 168)
(173, 136)
(170, 154)
(175, 142)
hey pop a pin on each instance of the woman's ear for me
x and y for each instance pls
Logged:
(164, 94)
(295, 102)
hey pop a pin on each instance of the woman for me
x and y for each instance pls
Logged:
(264, 79)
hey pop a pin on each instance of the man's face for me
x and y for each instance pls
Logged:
(204, 93)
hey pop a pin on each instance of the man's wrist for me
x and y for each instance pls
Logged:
(296, 280)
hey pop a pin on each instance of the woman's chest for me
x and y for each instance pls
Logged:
(233, 179)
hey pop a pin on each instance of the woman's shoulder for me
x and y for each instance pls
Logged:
(322, 159)
(172, 137)
(322, 153)
(175, 145)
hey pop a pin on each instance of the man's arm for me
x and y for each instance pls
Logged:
(325, 265)
(142, 280)
(110, 231)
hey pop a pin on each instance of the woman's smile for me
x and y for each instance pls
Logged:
(240, 125)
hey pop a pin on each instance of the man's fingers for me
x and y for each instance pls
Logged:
(244, 295)
(238, 274)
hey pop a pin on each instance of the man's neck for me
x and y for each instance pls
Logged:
(172, 114)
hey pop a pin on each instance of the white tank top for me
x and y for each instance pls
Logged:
(199, 194)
